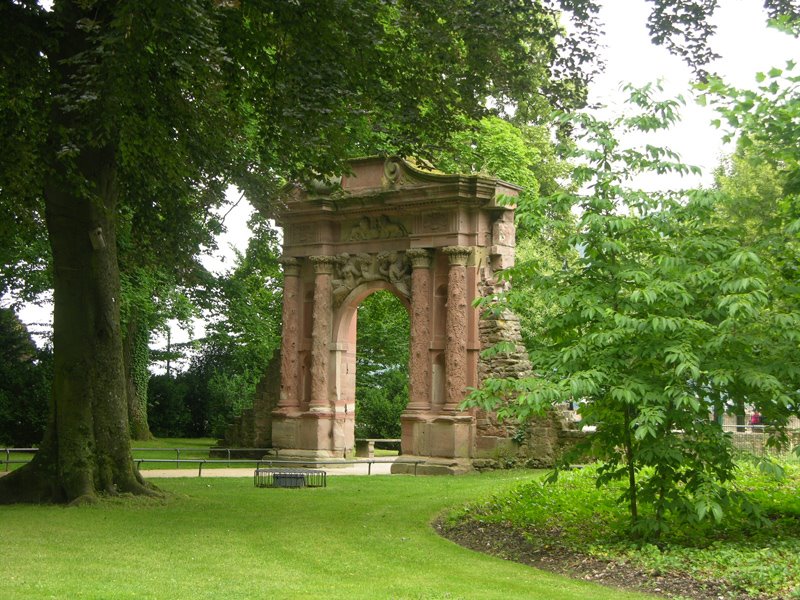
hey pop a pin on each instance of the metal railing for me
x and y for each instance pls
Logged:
(8, 451)
(201, 462)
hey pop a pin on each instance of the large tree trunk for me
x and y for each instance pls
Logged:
(136, 355)
(86, 450)
(87, 446)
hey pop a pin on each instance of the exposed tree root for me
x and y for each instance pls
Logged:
(36, 484)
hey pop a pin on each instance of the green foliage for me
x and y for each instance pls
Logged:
(533, 256)
(664, 316)
(756, 556)
(763, 120)
(519, 153)
(243, 333)
(25, 375)
(245, 303)
(380, 400)
(205, 398)
(381, 365)
(167, 410)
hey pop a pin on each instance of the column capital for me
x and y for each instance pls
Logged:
(458, 255)
(420, 258)
(291, 266)
(323, 265)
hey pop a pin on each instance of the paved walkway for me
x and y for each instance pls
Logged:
(382, 468)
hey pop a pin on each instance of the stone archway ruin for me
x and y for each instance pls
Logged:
(437, 242)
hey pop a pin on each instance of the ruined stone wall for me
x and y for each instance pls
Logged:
(253, 428)
(535, 443)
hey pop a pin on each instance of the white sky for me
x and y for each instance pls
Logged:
(742, 39)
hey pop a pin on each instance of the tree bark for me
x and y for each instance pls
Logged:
(135, 355)
(86, 450)
(87, 446)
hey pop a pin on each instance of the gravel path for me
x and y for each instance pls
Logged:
(383, 468)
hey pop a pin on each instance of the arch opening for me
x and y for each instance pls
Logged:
(371, 339)
(382, 353)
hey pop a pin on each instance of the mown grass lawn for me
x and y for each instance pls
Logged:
(361, 537)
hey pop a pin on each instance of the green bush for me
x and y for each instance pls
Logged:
(756, 552)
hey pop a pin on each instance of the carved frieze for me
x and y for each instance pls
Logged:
(379, 228)
(351, 270)
(436, 222)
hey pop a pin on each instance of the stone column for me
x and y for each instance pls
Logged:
(455, 352)
(321, 332)
(290, 332)
(419, 396)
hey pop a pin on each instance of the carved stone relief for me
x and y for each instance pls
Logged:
(392, 172)
(351, 270)
(436, 222)
(380, 228)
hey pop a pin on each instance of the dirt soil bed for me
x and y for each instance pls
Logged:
(508, 543)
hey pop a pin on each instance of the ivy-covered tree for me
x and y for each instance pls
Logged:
(664, 315)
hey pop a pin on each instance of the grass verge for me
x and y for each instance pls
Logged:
(739, 556)
(222, 538)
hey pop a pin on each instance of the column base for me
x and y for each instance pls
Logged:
(317, 434)
(437, 435)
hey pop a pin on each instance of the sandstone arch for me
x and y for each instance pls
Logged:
(437, 242)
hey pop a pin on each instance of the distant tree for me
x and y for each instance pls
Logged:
(244, 329)
(382, 353)
(519, 153)
(763, 122)
(169, 414)
(25, 375)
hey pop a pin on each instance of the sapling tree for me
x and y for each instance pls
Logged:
(664, 317)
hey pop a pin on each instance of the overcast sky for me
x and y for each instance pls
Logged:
(742, 39)
(744, 42)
